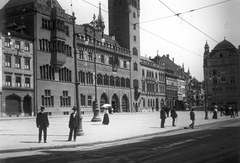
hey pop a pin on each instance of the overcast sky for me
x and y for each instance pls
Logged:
(183, 39)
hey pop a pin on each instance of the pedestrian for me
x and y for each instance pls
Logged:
(232, 112)
(105, 118)
(174, 116)
(192, 117)
(221, 110)
(167, 111)
(42, 124)
(215, 113)
(162, 117)
(236, 111)
(74, 122)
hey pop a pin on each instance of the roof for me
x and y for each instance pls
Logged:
(13, 3)
(224, 45)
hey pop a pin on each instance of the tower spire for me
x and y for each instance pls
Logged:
(100, 18)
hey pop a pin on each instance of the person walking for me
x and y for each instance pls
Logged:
(74, 122)
(215, 113)
(42, 123)
(105, 118)
(236, 111)
(192, 117)
(162, 117)
(174, 116)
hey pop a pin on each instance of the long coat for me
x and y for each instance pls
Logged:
(162, 114)
(42, 120)
(192, 115)
(74, 121)
(105, 119)
(173, 113)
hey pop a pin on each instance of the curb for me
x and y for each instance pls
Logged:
(101, 142)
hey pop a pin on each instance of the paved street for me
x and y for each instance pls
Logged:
(22, 134)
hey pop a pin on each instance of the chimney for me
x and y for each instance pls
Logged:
(167, 55)
(173, 60)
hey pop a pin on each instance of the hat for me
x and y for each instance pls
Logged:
(74, 108)
(42, 108)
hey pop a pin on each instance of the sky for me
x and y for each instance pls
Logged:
(183, 37)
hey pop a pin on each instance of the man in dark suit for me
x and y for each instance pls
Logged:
(173, 115)
(162, 117)
(192, 117)
(74, 123)
(42, 124)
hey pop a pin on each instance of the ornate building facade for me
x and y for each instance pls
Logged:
(222, 74)
(53, 79)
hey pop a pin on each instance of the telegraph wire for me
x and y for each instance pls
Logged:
(169, 42)
(154, 34)
(188, 22)
(185, 12)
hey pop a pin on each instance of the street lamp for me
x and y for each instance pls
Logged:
(96, 25)
(79, 130)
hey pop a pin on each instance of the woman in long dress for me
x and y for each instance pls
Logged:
(105, 118)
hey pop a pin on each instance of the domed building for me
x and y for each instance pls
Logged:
(222, 75)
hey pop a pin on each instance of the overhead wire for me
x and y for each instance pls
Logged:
(175, 14)
(185, 12)
(188, 22)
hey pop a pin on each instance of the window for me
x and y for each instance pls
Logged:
(80, 54)
(83, 100)
(17, 62)
(7, 42)
(27, 64)
(47, 98)
(89, 100)
(135, 38)
(125, 64)
(102, 58)
(143, 86)
(135, 66)
(134, 26)
(90, 56)
(26, 47)
(8, 81)
(27, 82)
(7, 60)
(110, 60)
(18, 81)
(134, 14)
(135, 51)
(232, 80)
(143, 73)
(17, 44)
(65, 100)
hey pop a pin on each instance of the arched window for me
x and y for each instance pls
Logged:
(135, 51)
(112, 81)
(118, 82)
(135, 66)
(123, 82)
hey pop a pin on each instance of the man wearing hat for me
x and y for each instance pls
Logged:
(42, 124)
(73, 124)
(162, 117)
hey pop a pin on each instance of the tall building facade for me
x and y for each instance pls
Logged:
(124, 16)
(16, 74)
(153, 84)
(222, 74)
(53, 79)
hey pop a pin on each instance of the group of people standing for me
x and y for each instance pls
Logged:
(164, 113)
(74, 122)
(230, 110)
(174, 115)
